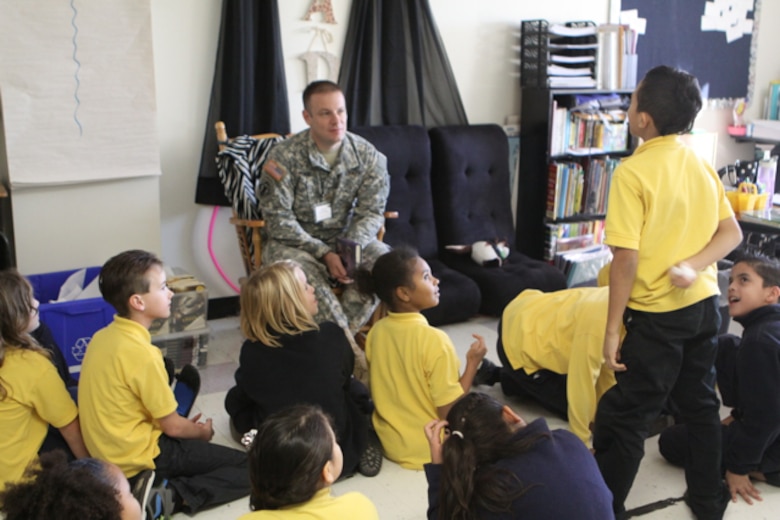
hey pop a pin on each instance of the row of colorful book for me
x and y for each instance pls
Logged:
(579, 187)
(567, 236)
(582, 266)
(586, 132)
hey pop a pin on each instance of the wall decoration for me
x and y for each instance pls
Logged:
(313, 58)
(321, 6)
(713, 40)
(77, 91)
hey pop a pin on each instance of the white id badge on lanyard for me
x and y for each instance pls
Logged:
(322, 212)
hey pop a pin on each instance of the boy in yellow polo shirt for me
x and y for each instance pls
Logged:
(668, 222)
(128, 411)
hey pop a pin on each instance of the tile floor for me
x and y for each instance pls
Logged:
(401, 494)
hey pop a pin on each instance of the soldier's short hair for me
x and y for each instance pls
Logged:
(318, 87)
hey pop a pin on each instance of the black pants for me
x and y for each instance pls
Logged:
(673, 441)
(544, 386)
(203, 474)
(669, 354)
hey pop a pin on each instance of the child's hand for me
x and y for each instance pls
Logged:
(477, 350)
(740, 485)
(682, 275)
(433, 432)
(205, 428)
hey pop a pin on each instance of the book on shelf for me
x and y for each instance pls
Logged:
(563, 236)
(764, 129)
(582, 265)
(773, 105)
(351, 254)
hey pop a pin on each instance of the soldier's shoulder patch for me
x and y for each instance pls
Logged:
(274, 169)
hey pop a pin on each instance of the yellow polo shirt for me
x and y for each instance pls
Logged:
(123, 391)
(665, 202)
(36, 397)
(413, 369)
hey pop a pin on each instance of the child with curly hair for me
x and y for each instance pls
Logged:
(83, 489)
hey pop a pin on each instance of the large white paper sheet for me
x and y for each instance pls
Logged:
(77, 90)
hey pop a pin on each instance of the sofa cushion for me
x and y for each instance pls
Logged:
(471, 197)
(408, 152)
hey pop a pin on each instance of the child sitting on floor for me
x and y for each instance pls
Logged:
(748, 372)
(413, 367)
(83, 489)
(294, 461)
(491, 464)
(288, 359)
(32, 395)
(129, 412)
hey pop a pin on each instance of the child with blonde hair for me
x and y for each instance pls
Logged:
(413, 367)
(289, 359)
(32, 395)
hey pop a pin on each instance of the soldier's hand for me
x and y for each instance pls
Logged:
(336, 267)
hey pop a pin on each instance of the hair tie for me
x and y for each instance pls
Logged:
(456, 433)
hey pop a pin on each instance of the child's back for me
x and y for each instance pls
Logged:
(413, 370)
(674, 195)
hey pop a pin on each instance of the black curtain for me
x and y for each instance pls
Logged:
(249, 92)
(394, 69)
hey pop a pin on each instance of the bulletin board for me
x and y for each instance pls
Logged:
(713, 40)
(77, 92)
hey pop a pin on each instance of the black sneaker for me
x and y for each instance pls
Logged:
(488, 373)
(141, 487)
(371, 459)
(716, 511)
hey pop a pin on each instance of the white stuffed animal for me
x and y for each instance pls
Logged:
(489, 254)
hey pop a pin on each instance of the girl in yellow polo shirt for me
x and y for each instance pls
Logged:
(32, 395)
(413, 367)
(293, 461)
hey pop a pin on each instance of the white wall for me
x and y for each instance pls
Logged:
(482, 42)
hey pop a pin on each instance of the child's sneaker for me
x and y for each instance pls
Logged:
(161, 503)
(141, 486)
(371, 459)
(487, 374)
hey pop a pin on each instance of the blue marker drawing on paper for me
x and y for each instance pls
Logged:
(78, 67)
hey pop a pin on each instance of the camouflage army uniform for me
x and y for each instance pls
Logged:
(295, 179)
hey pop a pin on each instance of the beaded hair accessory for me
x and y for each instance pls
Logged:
(456, 433)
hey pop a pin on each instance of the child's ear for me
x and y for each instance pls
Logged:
(774, 294)
(136, 303)
(402, 293)
(511, 418)
(327, 476)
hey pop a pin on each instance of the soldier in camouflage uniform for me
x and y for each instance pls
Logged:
(321, 184)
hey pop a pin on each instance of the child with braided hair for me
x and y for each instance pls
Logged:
(488, 463)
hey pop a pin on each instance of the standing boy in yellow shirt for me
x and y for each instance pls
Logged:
(668, 222)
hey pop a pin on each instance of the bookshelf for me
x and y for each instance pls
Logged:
(541, 147)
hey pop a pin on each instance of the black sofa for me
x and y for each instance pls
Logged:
(408, 154)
